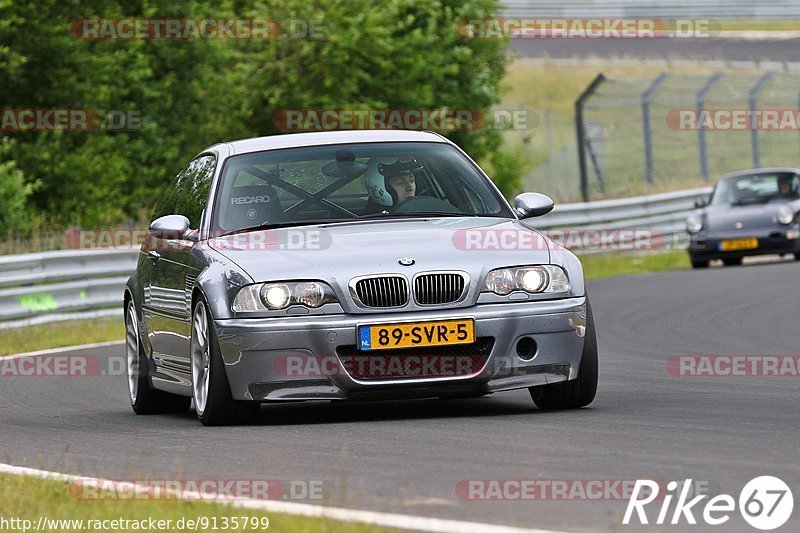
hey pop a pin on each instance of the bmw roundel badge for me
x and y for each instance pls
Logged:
(406, 261)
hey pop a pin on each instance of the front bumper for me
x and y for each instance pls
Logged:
(256, 351)
(776, 240)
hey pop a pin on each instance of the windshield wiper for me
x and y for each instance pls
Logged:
(414, 215)
(296, 223)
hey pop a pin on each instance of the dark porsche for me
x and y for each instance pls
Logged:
(753, 212)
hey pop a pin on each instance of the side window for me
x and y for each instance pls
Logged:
(168, 201)
(192, 190)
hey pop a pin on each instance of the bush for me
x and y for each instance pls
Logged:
(16, 215)
(397, 54)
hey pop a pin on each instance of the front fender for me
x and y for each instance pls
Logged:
(219, 283)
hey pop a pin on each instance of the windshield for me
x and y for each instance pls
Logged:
(756, 189)
(323, 184)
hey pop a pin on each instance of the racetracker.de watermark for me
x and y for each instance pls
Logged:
(376, 365)
(62, 366)
(556, 489)
(74, 120)
(586, 28)
(405, 119)
(734, 366)
(734, 119)
(584, 239)
(277, 239)
(196, 489)
(196, 29)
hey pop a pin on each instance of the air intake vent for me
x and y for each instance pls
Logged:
(439, 288)
(384, 291)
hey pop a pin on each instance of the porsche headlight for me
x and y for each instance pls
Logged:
(694, 224)
(276, 296)
(532, 279)
(785, 214)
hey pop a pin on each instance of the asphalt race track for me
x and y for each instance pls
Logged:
(707, 49)
(407, 457)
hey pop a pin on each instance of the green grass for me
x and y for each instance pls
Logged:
(767, 25)
(597, 266)
(60, 334)
(29, 498)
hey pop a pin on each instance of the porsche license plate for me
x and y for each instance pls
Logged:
(733, 245)
(416, 334)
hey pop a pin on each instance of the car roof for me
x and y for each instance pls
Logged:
(756, 171)
(295, 140)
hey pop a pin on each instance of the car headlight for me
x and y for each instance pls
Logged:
(276, 296)
(532, 279)
(694, 224)
(785, 214)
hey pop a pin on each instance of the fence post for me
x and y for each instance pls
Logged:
(581, 133)
(701, 102)
(648, 141)
(752, 97)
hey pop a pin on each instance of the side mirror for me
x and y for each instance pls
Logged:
(532, 204)
(701, 202)
(170, 227)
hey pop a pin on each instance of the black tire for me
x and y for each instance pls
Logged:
(797, 256)
(578, 392)
(734, 261)
(220, 408)
(146, 400)
(699, 263)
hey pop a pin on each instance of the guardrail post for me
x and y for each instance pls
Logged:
(701, 102)
(648, 141)
(751, 100)
(581, 133)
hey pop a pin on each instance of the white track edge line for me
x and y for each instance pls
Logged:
(59, 350)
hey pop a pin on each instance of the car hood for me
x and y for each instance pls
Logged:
(339, 252)
(741, 217)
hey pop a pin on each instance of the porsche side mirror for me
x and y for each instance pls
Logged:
(532, 204)
(700, 202)
(170, 227)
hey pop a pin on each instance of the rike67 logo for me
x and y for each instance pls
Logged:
(765, 503)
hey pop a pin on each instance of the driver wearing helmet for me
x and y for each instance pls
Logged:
(786, 186)
(390, 184)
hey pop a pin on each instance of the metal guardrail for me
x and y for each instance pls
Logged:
(667, 9)
(51, 286)
(639, 212)
(656, 221)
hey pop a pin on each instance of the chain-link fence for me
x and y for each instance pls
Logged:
(672, 131)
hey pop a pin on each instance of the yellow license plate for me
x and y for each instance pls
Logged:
(738, 244)
(416, 334)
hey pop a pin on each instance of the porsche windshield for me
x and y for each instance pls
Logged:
(756, 189)
(344, 182)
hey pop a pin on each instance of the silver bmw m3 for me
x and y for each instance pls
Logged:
(354, 265)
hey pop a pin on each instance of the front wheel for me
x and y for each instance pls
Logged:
(213, 401)
(698, 263)
(578, 392)
(145, 400)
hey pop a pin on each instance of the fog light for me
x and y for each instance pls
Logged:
(793, 234)
(526, 348)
